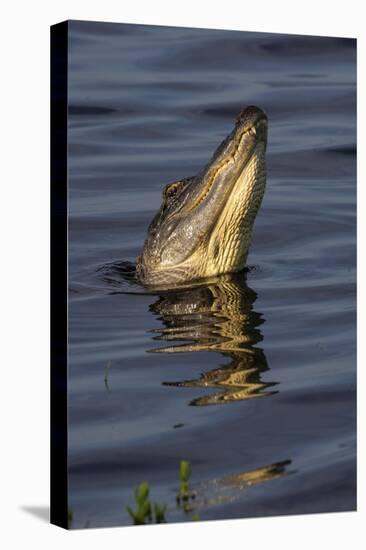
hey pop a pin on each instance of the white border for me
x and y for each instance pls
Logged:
(25, 270)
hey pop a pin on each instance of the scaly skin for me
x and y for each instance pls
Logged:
(204, 225)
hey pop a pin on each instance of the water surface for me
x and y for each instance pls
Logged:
(250, 377)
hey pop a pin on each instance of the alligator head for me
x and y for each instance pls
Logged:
(204, 225)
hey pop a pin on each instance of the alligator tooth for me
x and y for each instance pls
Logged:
(252, 131)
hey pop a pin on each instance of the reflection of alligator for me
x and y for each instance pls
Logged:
(217, 316)
(226, 489)
(204, 225)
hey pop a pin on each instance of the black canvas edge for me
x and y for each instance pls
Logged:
(59, 224)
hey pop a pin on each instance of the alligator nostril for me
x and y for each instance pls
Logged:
(250, 114)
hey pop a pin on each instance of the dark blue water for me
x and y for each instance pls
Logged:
(251, 377)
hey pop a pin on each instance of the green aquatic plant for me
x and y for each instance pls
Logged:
(184, 475)
(160, 513)
(185, 495)
(143, 512)
(146, 512)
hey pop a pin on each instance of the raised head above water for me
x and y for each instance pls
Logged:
(204, 224)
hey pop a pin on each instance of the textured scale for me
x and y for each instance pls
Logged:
(233, 232)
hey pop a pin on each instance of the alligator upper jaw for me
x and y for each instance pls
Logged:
(228, 162)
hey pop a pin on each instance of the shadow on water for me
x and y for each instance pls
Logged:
(216, 317)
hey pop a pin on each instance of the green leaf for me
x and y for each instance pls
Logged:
(184, 470)
(184, 488)
(142, 492)
(145, 509)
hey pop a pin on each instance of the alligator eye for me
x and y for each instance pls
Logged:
(171, 191)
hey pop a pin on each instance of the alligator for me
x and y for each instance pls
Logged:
(204, 225)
